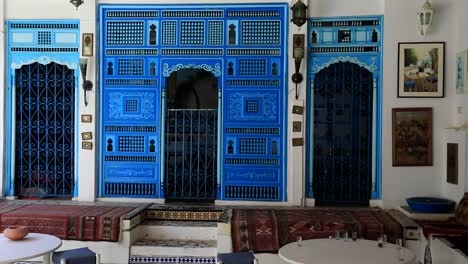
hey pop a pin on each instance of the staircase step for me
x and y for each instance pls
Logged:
(179, 230)
(174, 247)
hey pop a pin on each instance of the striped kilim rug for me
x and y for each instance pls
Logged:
(71, 222)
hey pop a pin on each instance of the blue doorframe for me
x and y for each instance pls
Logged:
(43, 42)
(356, 40)
(134, 42)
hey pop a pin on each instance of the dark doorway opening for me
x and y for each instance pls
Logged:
(343, 122)
(191, 136)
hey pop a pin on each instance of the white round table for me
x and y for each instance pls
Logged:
(332, 251)
(33, 245)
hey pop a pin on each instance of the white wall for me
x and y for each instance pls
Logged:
(400, 26)
(329, 8)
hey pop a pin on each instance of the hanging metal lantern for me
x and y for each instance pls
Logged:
(425, 14)
(76, 3)
(299, 13)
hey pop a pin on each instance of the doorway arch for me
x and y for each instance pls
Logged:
(191, 100)
(191, 135)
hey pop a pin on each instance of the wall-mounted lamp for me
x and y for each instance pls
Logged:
(76, 3)
(424, 18)
(298, 55)
(87, 85)
(299, 13)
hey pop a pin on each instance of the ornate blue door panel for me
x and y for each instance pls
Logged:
(344, 109)
(141, 46)
(41, 107)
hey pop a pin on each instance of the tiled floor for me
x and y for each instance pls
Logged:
(177, 243)
(180, 223)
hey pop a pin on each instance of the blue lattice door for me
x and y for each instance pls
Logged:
(342, 157)
(191, 136)
(44, 135)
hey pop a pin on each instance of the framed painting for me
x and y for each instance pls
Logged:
(412, 136)
(452, 163)
(462, 72)
(421, 69)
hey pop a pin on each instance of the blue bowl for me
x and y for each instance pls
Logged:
(430, 205)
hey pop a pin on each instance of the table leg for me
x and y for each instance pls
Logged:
(46, 259)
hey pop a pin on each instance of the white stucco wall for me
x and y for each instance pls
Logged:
(399, 26)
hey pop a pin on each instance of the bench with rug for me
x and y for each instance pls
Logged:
(266, 230)
(69, 222)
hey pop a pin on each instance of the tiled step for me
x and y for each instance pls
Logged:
(179, 230)
(174, 247)
(169, 259)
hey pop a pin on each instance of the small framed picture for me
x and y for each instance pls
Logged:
(412, 136)
(462, 72)
(86, 118)
(87, 45)
(86, 145)
(87, 135)
(421, 69)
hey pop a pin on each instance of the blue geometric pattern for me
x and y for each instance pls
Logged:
(252, 98)
(131, 66)
(131, 105)
(261, 32)
(169, 32)
(44, 38)
(253, 146)
(192, 32)
(125, 33)
(131, 144)
(215, 32)
(252, 67)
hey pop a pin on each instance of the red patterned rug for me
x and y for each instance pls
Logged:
(255, 230)
(71, 222)
(268, 230)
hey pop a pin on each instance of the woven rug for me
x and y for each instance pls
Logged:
(255, 230)
(267, 230)
(70, 222)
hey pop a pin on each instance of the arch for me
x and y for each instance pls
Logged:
(215, 68)
(44, 60)
(372, 67)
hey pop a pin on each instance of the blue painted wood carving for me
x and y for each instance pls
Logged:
(151, 143)
(344, 73)
(42, 84)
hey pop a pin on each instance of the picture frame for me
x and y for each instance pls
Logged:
(462, 72)
(421, 69)
(86, 135)
(452, 163)
(86, 145)
(87, 43)
(412, 136)
(86, 118)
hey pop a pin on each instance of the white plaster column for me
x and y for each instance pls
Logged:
(296, 154)
(2, 96)
(88, 175)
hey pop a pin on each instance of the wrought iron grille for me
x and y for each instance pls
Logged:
(191, 151)
(342, 156)
(44, 138)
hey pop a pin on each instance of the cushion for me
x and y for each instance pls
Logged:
(461, 214)
(75, 256)
(236, 258)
